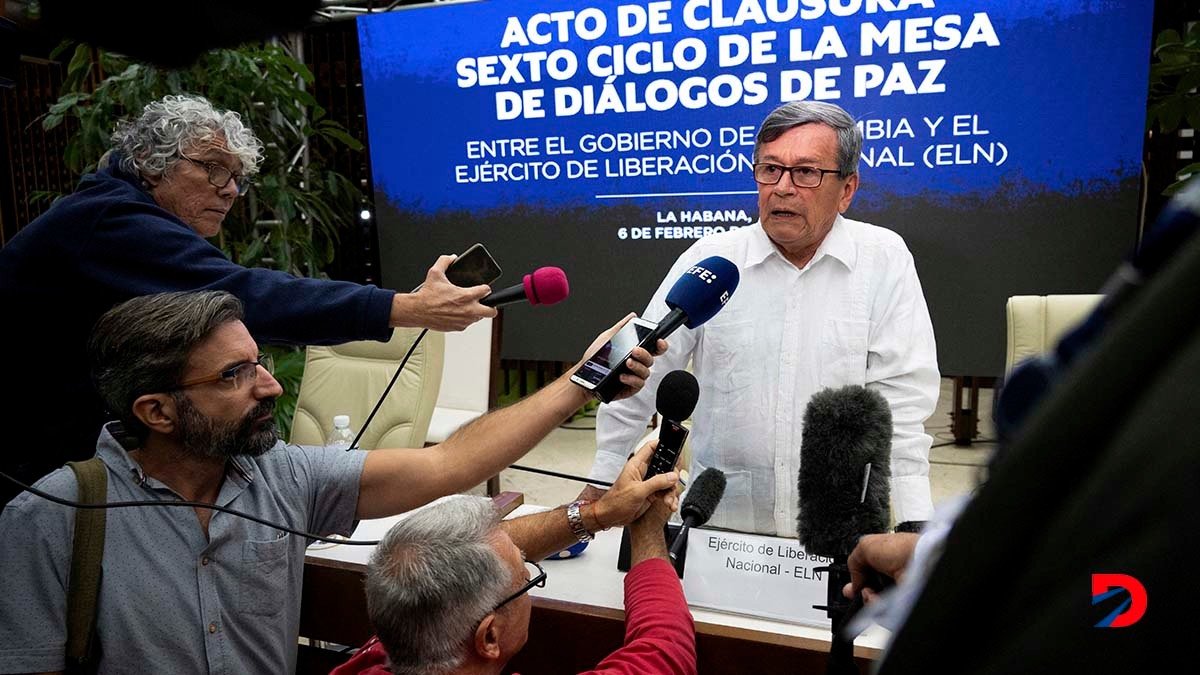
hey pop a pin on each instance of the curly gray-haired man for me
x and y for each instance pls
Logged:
(177, 130)
(138, 226)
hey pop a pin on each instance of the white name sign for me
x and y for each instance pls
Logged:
(755, 575)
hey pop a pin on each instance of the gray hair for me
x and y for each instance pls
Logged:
(141, 346)
(152, 143)
(432, 578)
(796, 113)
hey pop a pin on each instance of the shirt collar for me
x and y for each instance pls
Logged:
(115, 455)
(838, 244)
(760, 247)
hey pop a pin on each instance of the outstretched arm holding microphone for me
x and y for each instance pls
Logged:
(541, 534)
(397, 480)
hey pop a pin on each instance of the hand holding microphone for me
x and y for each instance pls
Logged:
(632, 494)
(544, 286)
(630, 375)
(437, 304)
(845, 469)
(878, 554)
(695, 298)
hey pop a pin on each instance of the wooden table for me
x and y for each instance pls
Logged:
(577, 619)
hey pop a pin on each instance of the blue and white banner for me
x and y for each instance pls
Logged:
(1003, 141)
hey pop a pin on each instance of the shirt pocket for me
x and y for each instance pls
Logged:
(736, 509)
(265, 573)
(729, 358)
(844, 352)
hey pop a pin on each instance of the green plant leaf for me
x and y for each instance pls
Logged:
(65, 102)
(1193, 114)
(38, 196)
(340, 135)
(1172, 114)
(1169, 36)
(60, 49)
(251, 253)
(80, 64)
(1188, 81)
(1188, 170)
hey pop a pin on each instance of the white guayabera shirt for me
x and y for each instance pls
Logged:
(855, 314)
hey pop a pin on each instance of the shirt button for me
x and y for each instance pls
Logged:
(212, 627)
(204, 560)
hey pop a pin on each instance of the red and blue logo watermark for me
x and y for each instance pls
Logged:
(1130, 610)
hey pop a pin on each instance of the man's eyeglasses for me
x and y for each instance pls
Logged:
(802, 176)
(537, 577)
(237, 376)
(220, 175)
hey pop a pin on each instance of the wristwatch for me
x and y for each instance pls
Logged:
(575, 520)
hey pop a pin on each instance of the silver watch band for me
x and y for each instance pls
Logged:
(575, 520)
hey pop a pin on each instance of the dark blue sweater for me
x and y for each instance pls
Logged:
(108, 242)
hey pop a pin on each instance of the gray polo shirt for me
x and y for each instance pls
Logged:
(172, 601)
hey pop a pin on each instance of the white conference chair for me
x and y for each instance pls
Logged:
(348, 379)
(1036, 322)
(465, 392)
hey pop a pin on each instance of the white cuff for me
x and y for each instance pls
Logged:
(911, 498)
(606, 467)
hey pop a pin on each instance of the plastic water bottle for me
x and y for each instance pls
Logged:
(342, 436)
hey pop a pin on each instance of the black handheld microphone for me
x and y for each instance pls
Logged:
(698, 506)
(675, 401)
(544, 286)
(845, 469)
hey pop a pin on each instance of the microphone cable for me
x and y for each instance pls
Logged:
(240, 514)
(555, 474)
(387, 389)
(199, 505)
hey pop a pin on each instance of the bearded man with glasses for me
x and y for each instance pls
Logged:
(138, 226)
(823, 301)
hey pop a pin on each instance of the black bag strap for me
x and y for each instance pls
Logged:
(84, 591)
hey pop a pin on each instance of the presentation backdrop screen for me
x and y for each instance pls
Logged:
(1002, 140)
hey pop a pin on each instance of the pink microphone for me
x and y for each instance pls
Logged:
(544, 286)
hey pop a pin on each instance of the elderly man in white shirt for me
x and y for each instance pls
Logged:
(823, 301)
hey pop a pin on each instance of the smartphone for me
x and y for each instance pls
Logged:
(473, 267)
(605, 366)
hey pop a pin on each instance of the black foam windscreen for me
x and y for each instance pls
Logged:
(844, 430)
(704, 496)
(677, 395)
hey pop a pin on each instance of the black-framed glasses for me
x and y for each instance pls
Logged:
(235, 376)
(219, 175)
(766, 173)
(537, 578)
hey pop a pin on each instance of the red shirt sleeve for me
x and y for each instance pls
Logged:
(370, 660)
(660, 637)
